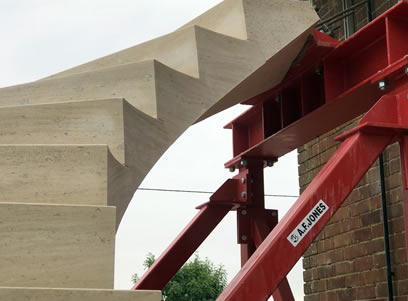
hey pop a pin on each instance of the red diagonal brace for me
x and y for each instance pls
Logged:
(261, 230)
(167, 265)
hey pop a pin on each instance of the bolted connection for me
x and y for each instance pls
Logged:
(382, 85)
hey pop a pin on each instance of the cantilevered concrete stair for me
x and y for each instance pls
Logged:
(75, 146)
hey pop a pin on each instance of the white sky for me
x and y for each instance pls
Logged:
(42, 37)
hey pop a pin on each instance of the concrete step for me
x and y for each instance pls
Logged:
(65, 175)
(178, 50)
(55, 174)
(47, 294)
(88, 122)
(135, 82)
(56, 246)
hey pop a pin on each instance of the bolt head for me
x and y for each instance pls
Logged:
(406, 70)
(274, 214)
(382, 84)
(269, 163)
(277, 98)
(244, 163)
(243, 195)
(244, 237)
(232, 169)
(244, 212)
(243, 180)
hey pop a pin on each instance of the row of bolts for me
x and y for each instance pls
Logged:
(244, 212)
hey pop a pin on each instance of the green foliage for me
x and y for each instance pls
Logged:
(197, 280)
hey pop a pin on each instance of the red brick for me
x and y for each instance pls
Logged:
(373, 175)
(395, 210)
(375, 202)
(375, 276)
(393, 181)
(363, 264)
(354, 280)
(306, 263)
(312, 250)
(381, 289)
(397, 241)
(335, 255)
(399, 256)
(325, 245)
(395, 166)
(401, 271)
(403, 287)
(364, 192)
(344, 295)
(336, 283)
(394, 195)
(343, 240)
(392, 152)
(326, 271)
(362, 206)
(363, 234)
(366, 292)
(326, 155)
(342, 213)
(371, 218)
(379, 260)
(343, 268)
(377, 231)
(396, 225)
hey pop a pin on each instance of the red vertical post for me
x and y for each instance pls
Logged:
(255, 222)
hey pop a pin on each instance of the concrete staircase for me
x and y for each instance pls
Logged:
(75, 146)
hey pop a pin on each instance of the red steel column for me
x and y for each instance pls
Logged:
(255, 222)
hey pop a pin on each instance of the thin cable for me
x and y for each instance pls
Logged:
(206, 192)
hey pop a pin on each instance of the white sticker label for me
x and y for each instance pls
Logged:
(308, 223)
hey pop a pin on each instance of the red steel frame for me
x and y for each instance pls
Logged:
(329, 84)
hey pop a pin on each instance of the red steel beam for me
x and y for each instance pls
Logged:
(330, 84)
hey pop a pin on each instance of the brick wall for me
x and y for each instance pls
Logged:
(347, 260)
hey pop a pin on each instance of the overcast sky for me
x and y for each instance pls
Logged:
(42, 37)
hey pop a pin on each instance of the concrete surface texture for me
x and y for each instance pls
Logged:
(76, 145)
(44, 294)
